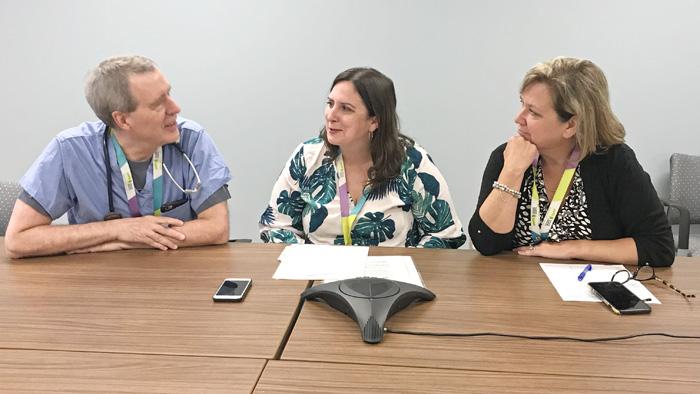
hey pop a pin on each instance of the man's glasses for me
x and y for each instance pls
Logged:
(644, 273)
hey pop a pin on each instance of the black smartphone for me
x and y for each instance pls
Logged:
(619, 298)
(233, 289)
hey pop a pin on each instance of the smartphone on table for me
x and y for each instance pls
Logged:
(233, 289)
(619, 298)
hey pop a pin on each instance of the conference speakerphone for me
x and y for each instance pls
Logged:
(368, 301)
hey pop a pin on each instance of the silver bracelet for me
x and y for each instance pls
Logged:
(504, 188)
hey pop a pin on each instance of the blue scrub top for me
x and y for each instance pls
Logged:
(70, 175)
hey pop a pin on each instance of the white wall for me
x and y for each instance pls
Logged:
(256, 73)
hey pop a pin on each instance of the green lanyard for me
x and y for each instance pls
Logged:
(128, 179)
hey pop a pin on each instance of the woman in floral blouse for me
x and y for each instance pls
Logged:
(361, 182)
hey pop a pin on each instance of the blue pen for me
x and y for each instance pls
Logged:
(584, 272)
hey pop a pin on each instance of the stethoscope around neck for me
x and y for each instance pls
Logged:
(112, 214)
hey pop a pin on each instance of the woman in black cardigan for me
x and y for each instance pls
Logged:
(593, 199)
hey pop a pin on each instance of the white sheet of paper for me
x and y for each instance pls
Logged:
(400, 268)
(564, 278)
(316, 262)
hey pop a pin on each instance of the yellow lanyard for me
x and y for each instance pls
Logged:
(541, 233)
(347, 216)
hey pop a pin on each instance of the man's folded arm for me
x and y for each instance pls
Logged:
(30, 233)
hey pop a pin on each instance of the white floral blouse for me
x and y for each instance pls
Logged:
(413, 209)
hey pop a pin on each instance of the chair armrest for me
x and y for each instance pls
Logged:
(683, 222)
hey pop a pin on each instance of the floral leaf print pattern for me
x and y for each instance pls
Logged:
(396, 185)
(431, 184)
(292, 206)
(312, 141)
(310, 205)
(435, 242)
(414, 156)
(413, 235)
(322, 184)
(297, 168)
(318, 189)
(420, 204)
(268, 217)
(431, 213)
(279, 236)
(374, 228)
(317, 218)
(400, 185)
(441, 216)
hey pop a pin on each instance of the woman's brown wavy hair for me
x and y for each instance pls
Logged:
(387, 146)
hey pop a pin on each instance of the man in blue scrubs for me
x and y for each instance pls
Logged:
(168, 184)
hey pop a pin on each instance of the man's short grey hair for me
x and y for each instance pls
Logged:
(107, 86)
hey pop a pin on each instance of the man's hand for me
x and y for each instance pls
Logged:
(155, 231)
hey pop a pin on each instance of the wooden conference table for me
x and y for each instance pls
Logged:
(143, 321)
(504, 294)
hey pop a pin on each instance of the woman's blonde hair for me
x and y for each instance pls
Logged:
(579, 88)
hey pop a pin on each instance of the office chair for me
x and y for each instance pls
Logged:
(684, 201)
(8, 195)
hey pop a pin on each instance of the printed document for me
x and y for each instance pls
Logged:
(334, 262)
(314, 262)
(399, 268)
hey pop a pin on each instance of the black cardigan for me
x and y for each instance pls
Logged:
(622, 202)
